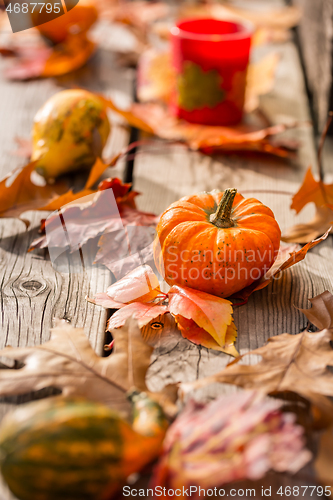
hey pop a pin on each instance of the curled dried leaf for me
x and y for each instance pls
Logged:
(290, 363)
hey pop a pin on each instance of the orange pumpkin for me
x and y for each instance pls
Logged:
(78, 19)
(216, 242)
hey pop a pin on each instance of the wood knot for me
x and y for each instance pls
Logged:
(32, 286)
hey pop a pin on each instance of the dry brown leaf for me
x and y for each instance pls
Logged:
(290, 363)
(321, 313)
(301, 233)
(287, 257)
(69, 363)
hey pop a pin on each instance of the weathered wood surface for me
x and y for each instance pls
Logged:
(33, 293)
(316, 36)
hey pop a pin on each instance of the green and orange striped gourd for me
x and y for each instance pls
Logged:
(75, 449)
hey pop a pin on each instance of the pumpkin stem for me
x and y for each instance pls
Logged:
(222, 218)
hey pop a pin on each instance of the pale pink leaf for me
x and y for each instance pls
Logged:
(143, 313)
(140, 285)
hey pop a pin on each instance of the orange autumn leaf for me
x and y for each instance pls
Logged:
(312, 191)
(131, 117)
(58, 202)
(23, 189)
(321, 195)
(36, 61)
(209, 312)
(192, 332)
(69, 56)
(155, 118)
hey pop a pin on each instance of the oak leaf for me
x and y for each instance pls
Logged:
(290, 363)
(321, 195)
(69, 363)
(321, 313)
(241, 436)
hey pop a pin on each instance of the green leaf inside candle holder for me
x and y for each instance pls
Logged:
(198, 88)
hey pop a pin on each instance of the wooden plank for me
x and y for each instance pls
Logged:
(316, 35)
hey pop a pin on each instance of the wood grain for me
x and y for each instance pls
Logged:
(316, 35)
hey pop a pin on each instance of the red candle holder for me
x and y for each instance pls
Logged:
(210, 58)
